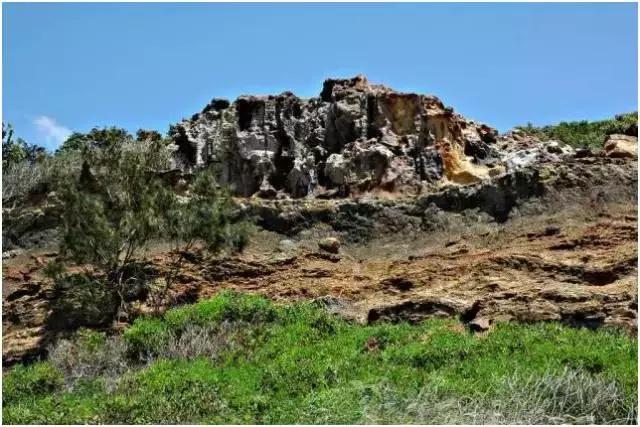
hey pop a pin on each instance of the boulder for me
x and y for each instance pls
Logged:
(330, 244)
(286, 245)
(621, 146)
(479, 325)
(11, 253)
(336, 169)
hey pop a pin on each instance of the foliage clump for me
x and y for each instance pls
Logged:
(29, 169)
(88, 355)
(26, 168)
(95, 138)
(117, 204)
(585, 133)
(17, 150)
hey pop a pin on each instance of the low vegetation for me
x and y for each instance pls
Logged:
(585, 133)
(241, 359)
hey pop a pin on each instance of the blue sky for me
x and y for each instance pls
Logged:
(74, 66)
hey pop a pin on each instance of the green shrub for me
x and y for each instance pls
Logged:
(26, 168)
(154, 336)
(147, 335)
(25, 178)
(311, 315)
(188, 403)
(27, 382)
(228, 305)
(81, 300)
(21, 179)
(106, 137)
(16, 151)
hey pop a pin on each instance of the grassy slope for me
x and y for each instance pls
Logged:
(584, 133)
(297, 364)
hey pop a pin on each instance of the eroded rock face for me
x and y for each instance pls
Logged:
(355, 137)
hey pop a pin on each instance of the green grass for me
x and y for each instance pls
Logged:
(298, 364)
(583, 133)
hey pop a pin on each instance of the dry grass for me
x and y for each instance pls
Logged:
(200, 341)
(20, 179)
(572, 397)
(88, 355)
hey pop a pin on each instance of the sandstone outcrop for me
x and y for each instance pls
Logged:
(621, 146)
(355, 137)
(582, 273)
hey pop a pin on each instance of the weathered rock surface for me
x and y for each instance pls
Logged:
(577, 270)
(28, 226)
(355, 137)
(621, 146)
(541, 187)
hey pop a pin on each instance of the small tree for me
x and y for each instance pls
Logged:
(24, 167)
(207, 216)
(117, 205)
(148, 135)
(17, 150)
(95, 138)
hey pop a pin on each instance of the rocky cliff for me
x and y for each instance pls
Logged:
(495, 228)
(355, 137)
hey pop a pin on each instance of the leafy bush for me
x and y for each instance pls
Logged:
(200, 341)
(96, 138)
(148, 135)
(26, 178)
(18, 150)
(26, 382)
(215, 319)
(228, 305)
(111, 209)
(585, 133)
(165, 393)
(80, 299)
(27, 169)
(21, 179)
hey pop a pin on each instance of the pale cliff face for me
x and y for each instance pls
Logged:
(356, 137)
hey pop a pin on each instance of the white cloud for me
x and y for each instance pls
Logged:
(51, 132)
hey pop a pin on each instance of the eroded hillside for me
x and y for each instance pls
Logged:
(433, 215)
